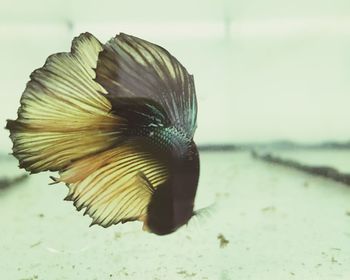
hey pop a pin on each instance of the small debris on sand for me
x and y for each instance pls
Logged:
(35, 244)
(223, 241)
(117, 235)
(186, 274)
(269, 209)
(336, 249)
(31, 278)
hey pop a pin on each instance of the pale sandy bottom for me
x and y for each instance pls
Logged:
(280, 224)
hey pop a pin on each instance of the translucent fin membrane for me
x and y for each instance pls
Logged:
(64, 114)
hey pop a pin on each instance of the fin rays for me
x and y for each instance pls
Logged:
(119, 186)
(64, 113)
(129, 66)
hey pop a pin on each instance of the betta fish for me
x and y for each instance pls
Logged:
(116, 121)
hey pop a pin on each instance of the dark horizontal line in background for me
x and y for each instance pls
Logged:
(263, 154)
(6, 183)
(322, 171)
(276, 145)
(218, 148)
(280, 145)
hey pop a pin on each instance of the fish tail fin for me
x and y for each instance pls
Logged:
(64, 114)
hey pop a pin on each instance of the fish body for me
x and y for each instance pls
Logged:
(117, 122)
(173, 202)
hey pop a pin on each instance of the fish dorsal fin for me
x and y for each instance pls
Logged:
(132, 67)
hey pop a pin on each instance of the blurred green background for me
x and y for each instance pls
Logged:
(264, 70)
